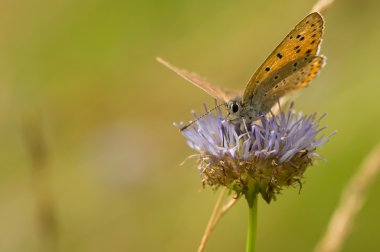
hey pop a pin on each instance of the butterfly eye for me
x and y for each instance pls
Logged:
(234, 107)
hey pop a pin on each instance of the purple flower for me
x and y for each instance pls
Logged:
(270, 153)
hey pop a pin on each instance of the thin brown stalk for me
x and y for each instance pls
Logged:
(321, 5)
(209, 227)
(223, 211)
(225, 208)
(217, 213)
(352, 200)
(38, 156)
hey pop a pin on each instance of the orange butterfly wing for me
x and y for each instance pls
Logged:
(302, 42)
(296, 80)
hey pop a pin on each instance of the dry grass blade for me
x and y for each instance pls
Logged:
(217, 213)
(211, 221)
(352, 200)
(226, 207)
(36, 146)
(321, 5)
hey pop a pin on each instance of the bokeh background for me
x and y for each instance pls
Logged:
(89, 156)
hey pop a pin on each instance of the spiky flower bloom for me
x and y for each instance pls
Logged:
(268, 154)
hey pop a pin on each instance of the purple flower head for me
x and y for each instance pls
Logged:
(270, 153)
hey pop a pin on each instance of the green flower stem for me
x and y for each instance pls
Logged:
(252, 221)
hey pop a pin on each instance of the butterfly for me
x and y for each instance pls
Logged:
(291, 66)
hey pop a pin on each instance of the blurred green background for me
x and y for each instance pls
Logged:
(84, 73)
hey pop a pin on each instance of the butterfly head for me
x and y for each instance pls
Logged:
(234, 108)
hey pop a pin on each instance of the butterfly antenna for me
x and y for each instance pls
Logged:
(202, 116)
